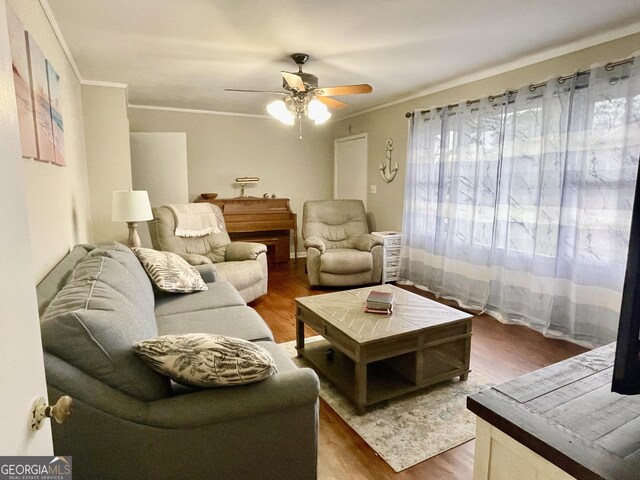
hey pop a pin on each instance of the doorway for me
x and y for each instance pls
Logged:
(350, 168)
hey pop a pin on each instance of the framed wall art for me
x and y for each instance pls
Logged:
(57, 124)
(22, 83)
(41, 103)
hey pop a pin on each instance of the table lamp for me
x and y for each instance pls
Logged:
(131, 206)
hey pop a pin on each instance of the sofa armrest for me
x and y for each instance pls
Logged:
(282, 391)
(277, 417)
(315, 242)
(237, 251)
(208, 272)
(366, 242)
(196, 259)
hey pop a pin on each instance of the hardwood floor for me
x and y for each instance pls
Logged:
(499, 352)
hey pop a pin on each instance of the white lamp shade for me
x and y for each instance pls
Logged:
(317, 111)
(278, 110)
(131, 206)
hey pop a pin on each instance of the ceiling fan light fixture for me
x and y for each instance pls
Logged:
(323, 118)
(317, 111)
(278, 110)
(302, 93)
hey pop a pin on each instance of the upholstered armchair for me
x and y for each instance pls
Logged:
(340, 249)
(242, 264)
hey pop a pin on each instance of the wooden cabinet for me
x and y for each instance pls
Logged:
(391, 245)
(500, 457)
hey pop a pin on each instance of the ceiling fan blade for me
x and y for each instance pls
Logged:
(254, 91)
(294, 81)
(332, 102)
(345, 89)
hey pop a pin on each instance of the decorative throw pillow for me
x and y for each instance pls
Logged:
(204, 360)
(170, 272)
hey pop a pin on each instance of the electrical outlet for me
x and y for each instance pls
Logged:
(373, 189)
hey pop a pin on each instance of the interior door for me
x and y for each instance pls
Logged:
(350, 168)
(21, 363)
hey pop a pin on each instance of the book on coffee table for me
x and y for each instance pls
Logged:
(380, 300)
(383, 311)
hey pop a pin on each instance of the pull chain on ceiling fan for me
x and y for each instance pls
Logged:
(303, 97)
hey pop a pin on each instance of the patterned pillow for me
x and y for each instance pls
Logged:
(169, 271)
(204, 360)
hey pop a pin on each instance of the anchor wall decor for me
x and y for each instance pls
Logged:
(387, 172)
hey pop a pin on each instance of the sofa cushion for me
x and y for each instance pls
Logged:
(122, 272)
(241, 322)
(218, 294)
(345, 261)
(284, 362)
(53, 282)
(93, 322)
(170, 272)
(205, 360)
(129, 261)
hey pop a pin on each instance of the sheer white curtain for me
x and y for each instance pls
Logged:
(450, 200)
(521, 206)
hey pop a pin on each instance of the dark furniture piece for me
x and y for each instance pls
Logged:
(373, 357)
(269, 221)
(566, 414)
(626, 367)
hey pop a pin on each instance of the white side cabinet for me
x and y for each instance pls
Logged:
(500, 457)
(391, 244)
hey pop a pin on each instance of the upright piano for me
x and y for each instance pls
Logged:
(264, 220)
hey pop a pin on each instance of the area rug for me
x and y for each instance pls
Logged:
(412, 428)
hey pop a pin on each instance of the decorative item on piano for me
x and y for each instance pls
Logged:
(244, 181)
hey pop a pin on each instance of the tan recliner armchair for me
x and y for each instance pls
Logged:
(242, 264)
(340, 250)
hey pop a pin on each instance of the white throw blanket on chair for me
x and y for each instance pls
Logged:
(194, 220)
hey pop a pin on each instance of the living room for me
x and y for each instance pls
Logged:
(54, 208)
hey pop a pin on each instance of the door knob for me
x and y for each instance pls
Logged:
(61, 411)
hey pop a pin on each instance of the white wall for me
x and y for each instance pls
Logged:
(108, 156)
(386, 206)
(57, 197)
(159, 166)
(222, 148)
(21, 367)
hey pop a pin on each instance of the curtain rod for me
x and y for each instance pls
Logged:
(608, 67)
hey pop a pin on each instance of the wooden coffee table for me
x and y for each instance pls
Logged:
(372, 357)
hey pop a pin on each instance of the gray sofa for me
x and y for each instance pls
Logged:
(129, 421)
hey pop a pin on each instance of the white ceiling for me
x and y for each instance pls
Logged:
(184, 53)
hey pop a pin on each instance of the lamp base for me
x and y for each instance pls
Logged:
(134, 238)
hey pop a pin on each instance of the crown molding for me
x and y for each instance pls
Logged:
(63, 43)
(513, 65)
(192, 110)
(97, 83)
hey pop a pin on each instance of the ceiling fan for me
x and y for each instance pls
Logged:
(304, 97)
